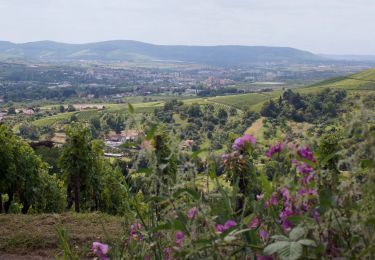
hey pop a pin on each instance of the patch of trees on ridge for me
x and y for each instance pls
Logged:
(305, 108)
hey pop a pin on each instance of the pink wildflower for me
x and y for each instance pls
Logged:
(243, 141)
(310, 192)
(179, 238)
(192, 213)
(100, 250)
(306, 153)
(259, 197)
(135, 231)
(285, 193)
(304, 168)
(277, 148)
(167, 252)
(254, 223)
(229, 224)
(263, 235)
(272, 201)
(262, 257)
(286, 225)
(219, 228)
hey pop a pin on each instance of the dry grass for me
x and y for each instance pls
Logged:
(37, 236)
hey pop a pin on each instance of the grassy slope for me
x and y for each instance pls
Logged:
(364, 80)
(37, 234)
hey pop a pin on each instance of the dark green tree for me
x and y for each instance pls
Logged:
(166, 164)
(76, 162)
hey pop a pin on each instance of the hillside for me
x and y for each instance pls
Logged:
(134, 51)
(364, 80)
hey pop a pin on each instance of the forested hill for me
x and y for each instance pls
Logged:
(139, 51)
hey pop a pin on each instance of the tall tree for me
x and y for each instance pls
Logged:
(166, 164)
(76, 161)
(22, 173)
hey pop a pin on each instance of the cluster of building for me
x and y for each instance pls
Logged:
(114, 140)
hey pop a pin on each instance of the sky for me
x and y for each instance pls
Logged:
(319, 26)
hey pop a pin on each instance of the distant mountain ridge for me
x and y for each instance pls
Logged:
(126, 50)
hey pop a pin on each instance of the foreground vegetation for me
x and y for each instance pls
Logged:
(272, 193)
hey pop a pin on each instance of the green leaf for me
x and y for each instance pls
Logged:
(163, 166)
(241, 231)
(196, 153)
(179, 226)
(166, 226)
(292, 251)
(295, 220)
(144, 170)
(266, 185)
(307, 242)
(280, 238)
(326, 200)
(367, 164)
(328, 158)
(131, 108)
(192, 193)
(229, 238)
(296, 233)
(150, 134)
(275, 247)
(128, 145)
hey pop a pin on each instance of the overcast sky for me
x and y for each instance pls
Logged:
(320, 26)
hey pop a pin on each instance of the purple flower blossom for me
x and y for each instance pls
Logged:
(135, 231)
(225, 156)
(285, 193)
(100, 250)
(286, 213)
(304, 168)
(315, 215)
(249, 139)
(279, 147)
(310, 192)
(272, 201)
(308, 178)
(254, 223)
(306, 153)
(263, 235)
(305, 206)
(179, 238)
(229, 224)
(219, 228)
(259, 197)
(286, 225)
(264, 257)
(167, 252)
(243, 141)
(295, 162)
(192, 213)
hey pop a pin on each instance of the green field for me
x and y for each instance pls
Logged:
(364, 80)
(48, 121)
(246, 101)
